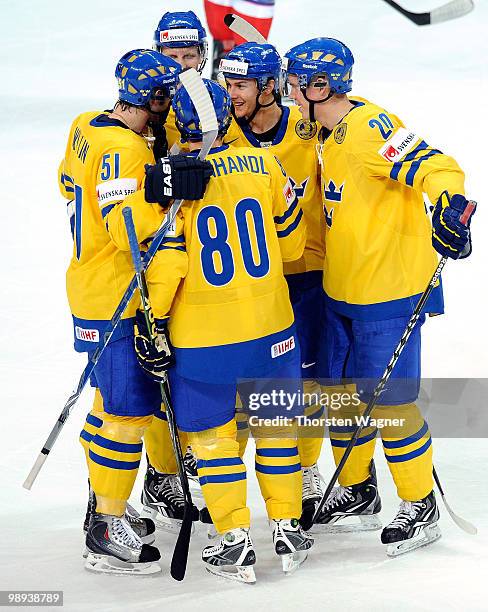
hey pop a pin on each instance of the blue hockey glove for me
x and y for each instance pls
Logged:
(179, 177)
(155, 358)
(451, 220)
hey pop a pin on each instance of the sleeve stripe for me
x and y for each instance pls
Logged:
(291, 227)
(288, 212)
(416, 165)
(397, 166)
(107, 209)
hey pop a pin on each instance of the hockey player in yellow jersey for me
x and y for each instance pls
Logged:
(104, 165)
(380, 255)
(230, 318)
(182, 37)
(253, 75)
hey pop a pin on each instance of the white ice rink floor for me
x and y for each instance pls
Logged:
(57, 60)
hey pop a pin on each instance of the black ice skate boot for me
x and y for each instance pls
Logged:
(312, 482)
(143, 527)
(114, 548)
(163, 500)
(233, 557)
(291, 543)
(415, 525)
(345, 503)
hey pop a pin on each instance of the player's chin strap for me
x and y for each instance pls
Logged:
(312, 103)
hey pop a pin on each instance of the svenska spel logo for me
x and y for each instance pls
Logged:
(390, 153)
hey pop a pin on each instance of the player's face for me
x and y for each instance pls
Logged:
(243, 93)
(187, 57)
(295, 93)
(159, 106)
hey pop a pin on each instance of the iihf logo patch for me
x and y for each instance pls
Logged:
(306, 129)
(332, 193)
(340, 133)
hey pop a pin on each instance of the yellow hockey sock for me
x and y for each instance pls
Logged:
(345, 408)
(278, 471)
(408, 451)
(114, 457)
(222, 476)
(311, 436)
(158, 444)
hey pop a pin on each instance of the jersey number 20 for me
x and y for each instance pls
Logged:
(217, 243)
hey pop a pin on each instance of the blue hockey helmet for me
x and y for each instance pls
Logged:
(179, 30)
(322, 56)
(186, 116)
(254, 61)
(141, 72)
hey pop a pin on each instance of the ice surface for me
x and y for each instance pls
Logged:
(57, 59)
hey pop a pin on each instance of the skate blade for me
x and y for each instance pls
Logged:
(292, 561)
(163, 522)
(105, 564)
(367, 522)
(428, 535)
(239, 573)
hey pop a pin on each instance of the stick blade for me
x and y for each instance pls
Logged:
(451, 10)
(182, 546)
(244, 29)
(193, 83)
(463, 524)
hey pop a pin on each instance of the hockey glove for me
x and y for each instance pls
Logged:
(451, 236)
(179, 177)
(154, 357)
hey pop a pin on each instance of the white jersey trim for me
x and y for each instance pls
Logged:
(251, 9)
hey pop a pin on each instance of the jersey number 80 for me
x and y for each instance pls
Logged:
(216, 247)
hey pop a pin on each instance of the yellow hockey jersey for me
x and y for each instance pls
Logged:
(379, 254)
(295, 147)
(103, 166)
(229, 250)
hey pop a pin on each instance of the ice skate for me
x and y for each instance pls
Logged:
(143, 527)
(114, 548)
(291, 543)
(163, 500)
(233, 557)
(415, 525)
(347, 504)
(312, 482)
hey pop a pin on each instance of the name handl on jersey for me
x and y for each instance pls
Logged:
(401, 143)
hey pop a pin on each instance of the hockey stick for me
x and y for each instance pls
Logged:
(243, 28)
(450, 10)
(180, 554)
(192, 81)
(307, 522)
(460, 522)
